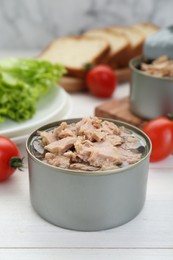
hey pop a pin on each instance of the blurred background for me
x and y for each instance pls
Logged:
(32, 24)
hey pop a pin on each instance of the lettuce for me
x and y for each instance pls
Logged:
(22, 82)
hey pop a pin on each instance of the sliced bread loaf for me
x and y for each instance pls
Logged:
(146, 28)
(74, 52)
(119, 46)
(134, 36)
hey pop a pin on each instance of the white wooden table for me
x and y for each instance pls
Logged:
(25, 235)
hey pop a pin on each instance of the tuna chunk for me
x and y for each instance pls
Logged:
(89, 145)
(131, 143)
(109, 166)
(65, 130)
(104, 154)
(61, 146)
(73, 156)
(57, 160)
(83, 148)
(83, 167)
(90, 129)
(65, 133)
(95, 121)
(128, 156)
(114, 139)
(97, 154)
(47, 137)
(60, 128)
(124, 131)
(110, 128)
(70, 130)
(80, 123)
(98, 136)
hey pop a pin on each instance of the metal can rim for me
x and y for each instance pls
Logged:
(93, 173)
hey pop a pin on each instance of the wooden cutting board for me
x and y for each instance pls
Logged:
(71, 84)
(119, 109)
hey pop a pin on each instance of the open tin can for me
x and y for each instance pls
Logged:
(88, 201)
(150, 96)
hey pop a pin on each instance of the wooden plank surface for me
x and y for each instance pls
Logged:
(119, 109)
(73, 85)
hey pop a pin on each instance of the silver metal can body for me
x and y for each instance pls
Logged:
(88, 201)
(150, 96)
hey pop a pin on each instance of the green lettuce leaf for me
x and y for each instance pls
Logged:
(22, 82)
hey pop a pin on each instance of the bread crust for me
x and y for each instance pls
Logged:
(132, 51)
(143, 25)
(118, 59)
(80, 72)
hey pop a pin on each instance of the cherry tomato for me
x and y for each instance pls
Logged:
(101, 81)
(9, 158)
(160, 132)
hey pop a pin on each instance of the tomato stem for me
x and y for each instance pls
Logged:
(170, 116)
(16, 163)
(88, 66)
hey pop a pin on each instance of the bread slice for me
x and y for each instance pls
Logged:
(74, 52)
(134, 36)
(119, 46)
(146, 28)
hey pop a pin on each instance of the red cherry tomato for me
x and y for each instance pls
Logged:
(9, 158)
(160, 132)
(101, 81)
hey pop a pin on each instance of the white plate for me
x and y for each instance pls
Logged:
(64, 114)
(48, 107)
